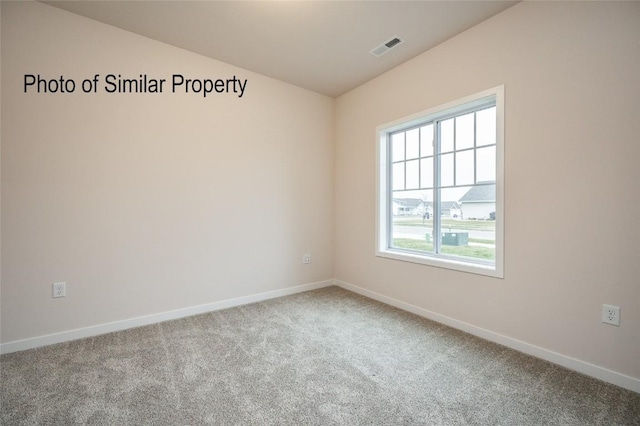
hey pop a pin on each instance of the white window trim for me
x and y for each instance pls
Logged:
(383, 207)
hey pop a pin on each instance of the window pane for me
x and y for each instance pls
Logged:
(486, 126)
(426, 173)
(464, 131)
(449, 207)
(398, 176)
(413, 221)
(467, 229)
(486, 164)
(446, 135)
(426, 140)
(453, 194)
(464, 168)
(413, 174)
(397, 147)
(413, 144)
(446, 170)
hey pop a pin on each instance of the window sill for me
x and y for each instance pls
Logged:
(442, 262)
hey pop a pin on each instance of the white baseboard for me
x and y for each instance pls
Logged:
(583, 367)
(619, 379)
(80, 333)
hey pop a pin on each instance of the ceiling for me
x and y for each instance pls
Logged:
(322, 46)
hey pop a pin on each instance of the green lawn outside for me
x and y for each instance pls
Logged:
(480, 240)
(469, 251)
(479, 225)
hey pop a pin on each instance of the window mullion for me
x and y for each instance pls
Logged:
(404, 141)
(437, 235)
(419, 159)
(475, 146)
(455, 155)
(389, 192)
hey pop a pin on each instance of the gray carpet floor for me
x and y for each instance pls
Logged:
(324, 357)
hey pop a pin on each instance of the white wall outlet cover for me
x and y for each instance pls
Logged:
(611, 314)
(59, 289)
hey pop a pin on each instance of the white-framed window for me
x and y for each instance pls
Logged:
(440, 186)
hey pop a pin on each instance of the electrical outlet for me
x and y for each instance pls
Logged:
(611, 314)
(59, 289)
(306, 258)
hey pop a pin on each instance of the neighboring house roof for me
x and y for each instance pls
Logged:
(482, 192)
(408, 202)
(448, 205)
(415, 202)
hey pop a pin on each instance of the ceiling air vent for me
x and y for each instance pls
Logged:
(387, 46)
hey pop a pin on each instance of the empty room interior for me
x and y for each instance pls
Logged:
(320, 212)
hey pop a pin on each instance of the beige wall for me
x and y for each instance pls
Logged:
(572, 95)
(144, 203)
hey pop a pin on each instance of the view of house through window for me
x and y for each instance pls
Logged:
(441, 185)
